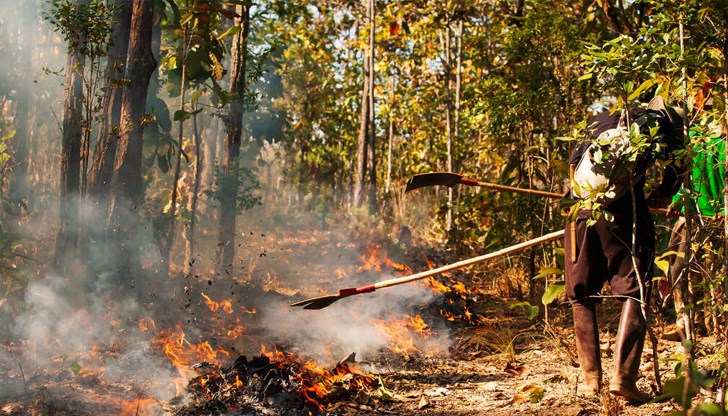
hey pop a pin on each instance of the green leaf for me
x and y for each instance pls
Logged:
(662, 265)
(163, 163)
(175, 11)
(552, 292)
(548, 271)
(531, 310)
(181, 115)
(234, 30)
(709, 409)
(673, 389)
(75, 368)
(196, 96)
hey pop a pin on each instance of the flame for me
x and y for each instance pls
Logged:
(183, 353)
(226, 305)
(143, 406)
(374, 258)
(248, 311)
(317, 382)
(401, 333)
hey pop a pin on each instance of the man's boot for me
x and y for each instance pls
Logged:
(586, 333)
(627, 353)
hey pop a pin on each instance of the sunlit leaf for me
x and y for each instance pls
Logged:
(552, 292)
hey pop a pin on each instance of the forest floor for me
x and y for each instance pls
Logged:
(499, 361)
(496, 360)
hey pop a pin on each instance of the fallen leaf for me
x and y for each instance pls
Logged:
(423, 402)
(532, 393)
(516, 371)
(490, 386)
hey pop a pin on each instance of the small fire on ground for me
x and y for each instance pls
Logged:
(213, 377)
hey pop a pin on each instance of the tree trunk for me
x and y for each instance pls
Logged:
(448, 122)
(170, 228)
(190, 228)
(209, 151)
(66, 243)
(390, 134)
(228, 184)
(102, 166)
(19, 188)
(372, 108)
(363, 142)
(127, 185)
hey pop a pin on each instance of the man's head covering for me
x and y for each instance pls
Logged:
(673, 115)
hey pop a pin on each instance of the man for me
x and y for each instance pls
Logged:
(601, 250)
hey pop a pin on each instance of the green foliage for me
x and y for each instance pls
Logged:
(530, 310)
(553, 291)
(86, 27)
(195, 44)
(685, 387)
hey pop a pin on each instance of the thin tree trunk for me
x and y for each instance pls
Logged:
(190, 229)
(127, 186)
(372, 111)
(363, 141)
(209, 152)
(448, 122)
(390, 134)
(102, 166)
(458, 93)
(169, 234)
(73, 124)
(229, 178)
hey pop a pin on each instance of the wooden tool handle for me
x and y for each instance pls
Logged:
(468, 262)
(505, 188)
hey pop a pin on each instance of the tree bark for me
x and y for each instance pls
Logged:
(66, 243)
(372, 109)
(209, 152)
(19, 188)
(228, 184)
(102, 166)
(365, 137)
(190, 228)
(127, 186)
(448, 121)
(390, 133)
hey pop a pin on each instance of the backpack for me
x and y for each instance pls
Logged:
(605, 166)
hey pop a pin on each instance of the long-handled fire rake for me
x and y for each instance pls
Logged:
(324, 301)
(452, 179)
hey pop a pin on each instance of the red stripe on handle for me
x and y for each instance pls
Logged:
(470, 182)
(356, 290)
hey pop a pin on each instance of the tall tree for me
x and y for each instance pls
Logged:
(127, 190)
(229, 180)
(101, 168)
(19, 186)
(71, 147)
